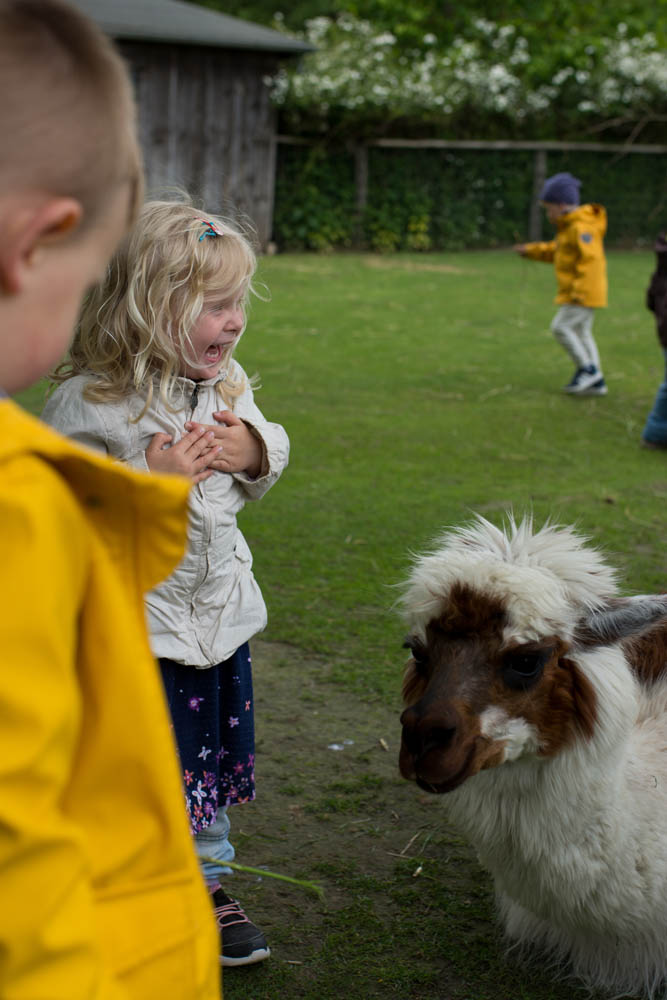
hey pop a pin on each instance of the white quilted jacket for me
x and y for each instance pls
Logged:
(211, 603)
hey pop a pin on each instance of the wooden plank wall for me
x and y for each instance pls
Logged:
(206, 124)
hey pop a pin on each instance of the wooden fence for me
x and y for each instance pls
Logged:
(540, 148)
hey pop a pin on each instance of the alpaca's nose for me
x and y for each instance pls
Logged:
(424, 732)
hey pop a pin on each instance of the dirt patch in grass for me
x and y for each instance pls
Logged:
(407, 913)
(410, 264)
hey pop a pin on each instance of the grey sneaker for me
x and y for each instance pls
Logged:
(242, 942)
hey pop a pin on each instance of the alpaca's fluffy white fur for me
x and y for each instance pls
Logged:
(577, 842)
(547, 577)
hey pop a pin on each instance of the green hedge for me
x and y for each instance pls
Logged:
(315, 199)
(430, 199)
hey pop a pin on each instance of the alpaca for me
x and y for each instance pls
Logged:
(537, 704)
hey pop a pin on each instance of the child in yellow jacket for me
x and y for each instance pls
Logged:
(577, 253)
(100, 888)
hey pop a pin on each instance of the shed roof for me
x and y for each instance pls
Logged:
(187, 23)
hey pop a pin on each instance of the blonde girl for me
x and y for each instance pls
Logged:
(151, 380)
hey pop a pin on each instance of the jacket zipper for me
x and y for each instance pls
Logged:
(194, 399)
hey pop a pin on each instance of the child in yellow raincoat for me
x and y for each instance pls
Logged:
(100, 888)
(577, 253)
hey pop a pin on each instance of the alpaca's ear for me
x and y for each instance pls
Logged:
(621, 618)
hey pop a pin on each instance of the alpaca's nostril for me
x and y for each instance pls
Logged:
(438, 738)
(420, 741)
(411, 740)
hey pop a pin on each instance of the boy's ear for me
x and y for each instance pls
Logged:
(27, 228)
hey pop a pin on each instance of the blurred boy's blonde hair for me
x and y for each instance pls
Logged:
(134, 329)
(66, 109)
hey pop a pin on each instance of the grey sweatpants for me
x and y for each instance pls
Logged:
(572, 326)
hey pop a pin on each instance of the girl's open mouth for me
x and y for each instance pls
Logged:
(213, 353)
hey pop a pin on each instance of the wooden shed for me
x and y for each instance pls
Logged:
(206, 121)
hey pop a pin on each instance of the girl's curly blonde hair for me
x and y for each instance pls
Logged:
(134, 327)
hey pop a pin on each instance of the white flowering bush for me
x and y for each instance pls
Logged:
(632, 75)
(364, 78)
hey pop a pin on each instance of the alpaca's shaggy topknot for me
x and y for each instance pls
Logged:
(546, 576)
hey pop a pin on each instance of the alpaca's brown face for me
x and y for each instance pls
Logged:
(475, 700)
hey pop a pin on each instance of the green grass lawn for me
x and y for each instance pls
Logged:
(416, 390)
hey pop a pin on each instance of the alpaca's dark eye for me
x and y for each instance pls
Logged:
(526, 665)
(522, 667)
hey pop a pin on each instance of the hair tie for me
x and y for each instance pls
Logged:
(209, 231)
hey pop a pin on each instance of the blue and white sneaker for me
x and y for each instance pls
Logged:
(583, 379)
(599, 388)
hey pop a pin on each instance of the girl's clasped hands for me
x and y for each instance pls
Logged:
(228, 446)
